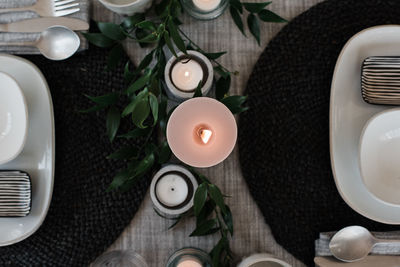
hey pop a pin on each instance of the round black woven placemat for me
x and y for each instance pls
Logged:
(284, 137)
(83, 219)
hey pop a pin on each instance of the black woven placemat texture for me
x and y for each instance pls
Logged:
(83, 220)
(284, 137)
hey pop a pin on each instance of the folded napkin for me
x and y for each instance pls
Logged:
(322, 244)
(83, 14)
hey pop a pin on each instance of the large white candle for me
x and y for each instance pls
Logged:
(189, 263)
(172, 190)
(186, 74)
(206, 5)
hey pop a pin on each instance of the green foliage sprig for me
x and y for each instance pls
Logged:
(146, 107)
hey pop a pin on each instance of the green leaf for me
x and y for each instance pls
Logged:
(269, 16)
(228, 219)
(214, 56)
(237, 19)
(119, 180)
(145, 62)
(161, 8)
(164, 153)
(234, 103)
(145, 165)
(167, 40)
(130, 22)
(94, 108)
(255, 7)
(221, 72)
(130, 152)
(200, 198)
(217, 251)
(173, 31)
(237, 5)
(206, 211)
(115, 56)
(254, 26)
(147, 25)
(99, 39)
(136, 133)
(141, 34)
(139, 83)
(222, 87)
(216, 195)
(197, 92)
(128, 75)
(141, 112)
(112, 123)
(154, 87)
(131, 106)
(154, 107)
(149, 39)
(111, 30)
(108, 99)
(204, 228)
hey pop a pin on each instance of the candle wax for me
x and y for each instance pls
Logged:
(189, 263)
(186, 74)
(206, 5)
(172, 190)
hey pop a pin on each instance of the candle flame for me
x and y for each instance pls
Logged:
(187, 74)
(205, 135)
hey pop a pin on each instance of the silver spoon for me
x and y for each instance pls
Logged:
(55, 43)
(353, 243)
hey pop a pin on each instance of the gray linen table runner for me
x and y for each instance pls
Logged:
(83, 14)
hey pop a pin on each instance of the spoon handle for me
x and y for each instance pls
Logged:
(17, 43)
(387, 241)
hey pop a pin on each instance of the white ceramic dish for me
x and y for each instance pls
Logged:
(37, 157)
(127, 7)
(13, 118)
(261, 260)
(348, 115)
(380, 154)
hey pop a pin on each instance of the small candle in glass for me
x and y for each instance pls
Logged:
(202, 132)
(205, 9)
(183, 74)
(189, 257)
(172, 190)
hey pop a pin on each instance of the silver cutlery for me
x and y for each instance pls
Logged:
(15, 194)
(354, 243)
(41, 24)
(55, 43)
(48, 8)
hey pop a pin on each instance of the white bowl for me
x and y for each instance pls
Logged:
(13, 119)
(263, 259)
(127, 7)
(380, 154)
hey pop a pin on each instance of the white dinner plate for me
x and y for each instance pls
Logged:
(37, 156)
(348, 115)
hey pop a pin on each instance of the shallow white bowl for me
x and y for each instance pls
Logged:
(261, 260)
(127, 7)
(380, 154)
(13, 118)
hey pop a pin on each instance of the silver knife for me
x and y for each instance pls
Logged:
(40, 24)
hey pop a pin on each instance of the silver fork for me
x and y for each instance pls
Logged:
(48, 8)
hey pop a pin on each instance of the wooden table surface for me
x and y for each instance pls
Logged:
(147, 233)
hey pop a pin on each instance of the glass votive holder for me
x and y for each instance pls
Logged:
(205, 9)
(118, 258)
(192, 257)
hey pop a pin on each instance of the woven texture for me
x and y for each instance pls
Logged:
(284, 137)
(83, 219)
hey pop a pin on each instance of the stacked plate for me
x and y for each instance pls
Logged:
(15, 194)
(380, 80)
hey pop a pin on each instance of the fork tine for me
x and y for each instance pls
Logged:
(66, 6)
(62, 2)
(66, 12)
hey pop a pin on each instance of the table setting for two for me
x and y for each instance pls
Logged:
(84, 133)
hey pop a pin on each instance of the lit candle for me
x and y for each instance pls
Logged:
(201, 132)
(189, 262)
(172, 190)
(187, 74)
(206, 5)
(184, 73)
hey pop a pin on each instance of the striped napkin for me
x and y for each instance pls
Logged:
(322, 244)
(83, 14)
(15, 194)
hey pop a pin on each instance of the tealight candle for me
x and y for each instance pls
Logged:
(189, 257)
(206, 5)
(201, 132)
(184, 73)
(172, 190)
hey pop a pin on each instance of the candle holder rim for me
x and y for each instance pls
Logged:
(261, 257)
(189, 251)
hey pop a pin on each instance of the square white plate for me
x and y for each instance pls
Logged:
(348, 115)
(37, 157)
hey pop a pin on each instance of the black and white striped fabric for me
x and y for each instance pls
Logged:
(380, 80)
(15, 194)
